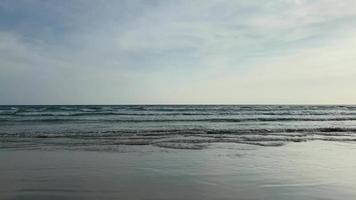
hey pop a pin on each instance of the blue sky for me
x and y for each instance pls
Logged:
(185, 51)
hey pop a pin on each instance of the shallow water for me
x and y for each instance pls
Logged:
(309, 170)
(171, 126)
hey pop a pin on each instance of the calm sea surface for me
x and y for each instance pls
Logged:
(172, 126)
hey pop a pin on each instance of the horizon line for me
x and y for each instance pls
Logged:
(189, 104)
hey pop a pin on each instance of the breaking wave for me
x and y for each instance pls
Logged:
(177, 127)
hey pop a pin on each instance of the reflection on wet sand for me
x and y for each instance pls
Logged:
(309, 170)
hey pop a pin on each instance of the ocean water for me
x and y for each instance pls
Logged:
(140, 152)
(106, 127)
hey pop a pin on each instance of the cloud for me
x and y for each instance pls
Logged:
(176, 51)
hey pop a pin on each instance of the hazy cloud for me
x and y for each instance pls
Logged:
(200, 51)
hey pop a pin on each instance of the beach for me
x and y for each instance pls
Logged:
(307, 170)
(178, 100)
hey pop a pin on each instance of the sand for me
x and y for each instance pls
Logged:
(306, 170)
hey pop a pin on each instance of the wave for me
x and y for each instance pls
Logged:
(213, 109)
(268, 112)
(173, 141)
(114, 113)
(213, 120)
(177, 127)
(201, 132)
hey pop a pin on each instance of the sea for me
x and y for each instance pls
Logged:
(100, 127)
(156, 152)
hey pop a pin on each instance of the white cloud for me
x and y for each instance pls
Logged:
(318, 75)
(181, 51)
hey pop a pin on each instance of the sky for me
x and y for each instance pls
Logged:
(177, 52)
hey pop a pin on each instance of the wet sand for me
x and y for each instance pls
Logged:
(307, 170)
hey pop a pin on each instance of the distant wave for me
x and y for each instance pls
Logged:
(182, 108)
(216, 120)
(12, 113)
